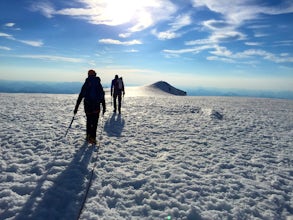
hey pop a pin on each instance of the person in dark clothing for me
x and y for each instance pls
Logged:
(93, 94)
(117, 89)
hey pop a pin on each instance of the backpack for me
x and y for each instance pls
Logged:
(94, 92)
(118, 84)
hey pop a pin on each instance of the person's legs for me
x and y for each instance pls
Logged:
(119, 103)
(115, 101)
(94, 126)
(91, 127)
(89, 122)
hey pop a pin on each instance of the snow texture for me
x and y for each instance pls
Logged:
(164, 157)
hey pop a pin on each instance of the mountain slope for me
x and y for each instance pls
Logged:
(159, 88)
(167, 88)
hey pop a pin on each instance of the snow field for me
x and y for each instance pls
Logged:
(176, 157)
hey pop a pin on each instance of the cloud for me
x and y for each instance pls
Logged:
(223, 59)
(221, 51)
(253, 43)
(218, 50)
(234, 12)
(219, 37)
(44, 7)
(238, 11)
(233, 15)
(118, 42)
(124, 35)
(216, 24)
(131, 51)
(9, 24)
(8, 36)
(285, 7)
(165, 35)
(178, 23)
(226, 35)
(224, 55)
(38, 43)
(52, 58)
(283, 43)
(139, 15)
(260, 26)
(260, 34)
(4, 48)
(221, 31)
(284, 58)
(194, 50)
(199, 41)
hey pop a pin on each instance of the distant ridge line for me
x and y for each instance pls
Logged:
(155, 89)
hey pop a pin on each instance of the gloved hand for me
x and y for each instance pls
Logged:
(75, 111)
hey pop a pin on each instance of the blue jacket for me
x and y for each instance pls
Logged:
(93, 94)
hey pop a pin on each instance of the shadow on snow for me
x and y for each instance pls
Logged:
(63, 199)
(114, 125)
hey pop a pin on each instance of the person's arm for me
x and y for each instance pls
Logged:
(123, 90)
(80, 97)
(104, 106)
(112, 85)
(101, 90)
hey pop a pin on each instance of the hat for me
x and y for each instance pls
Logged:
(91, 73)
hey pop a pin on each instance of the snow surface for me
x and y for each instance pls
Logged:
(165, 157)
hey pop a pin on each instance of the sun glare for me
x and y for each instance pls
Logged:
(120, 12)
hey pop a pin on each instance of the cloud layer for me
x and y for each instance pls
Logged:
(224, 25)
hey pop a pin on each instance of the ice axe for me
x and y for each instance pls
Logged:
(69, 125)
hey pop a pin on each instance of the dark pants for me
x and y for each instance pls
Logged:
(92, 124)
(119, 96)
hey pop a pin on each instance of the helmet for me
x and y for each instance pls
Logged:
(91, 73)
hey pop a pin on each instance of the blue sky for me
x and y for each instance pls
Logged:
(243, 44)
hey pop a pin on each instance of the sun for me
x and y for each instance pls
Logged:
(121, 12)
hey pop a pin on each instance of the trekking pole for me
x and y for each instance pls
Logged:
(69, 125)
